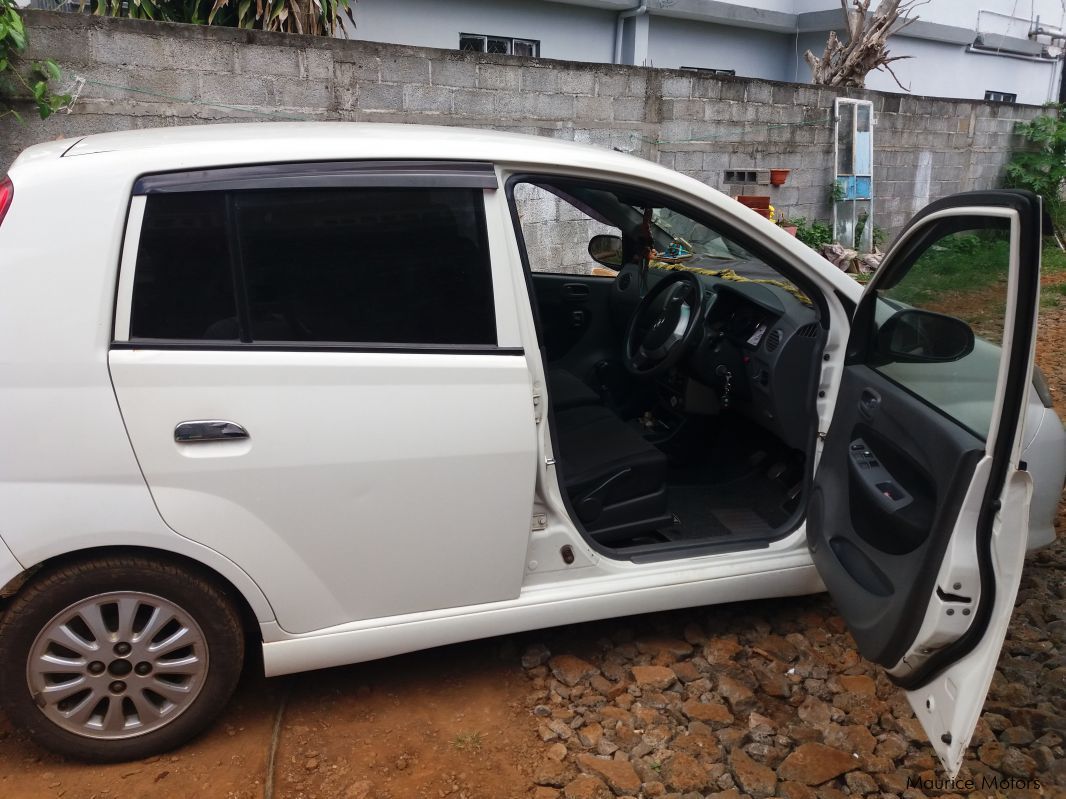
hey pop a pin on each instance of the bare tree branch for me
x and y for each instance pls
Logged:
(847, 64)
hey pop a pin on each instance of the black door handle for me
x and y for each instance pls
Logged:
(869, 402)
(576, 291)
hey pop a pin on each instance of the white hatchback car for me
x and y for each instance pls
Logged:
(344, 391)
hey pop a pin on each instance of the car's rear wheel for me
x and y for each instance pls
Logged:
(118, 658)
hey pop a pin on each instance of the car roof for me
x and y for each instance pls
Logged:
(307, 140)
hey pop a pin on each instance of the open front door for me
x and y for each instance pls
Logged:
(919, 515)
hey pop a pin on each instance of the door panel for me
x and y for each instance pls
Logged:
(888, 547)
(575, 319)
(918, 518)
(369, 484)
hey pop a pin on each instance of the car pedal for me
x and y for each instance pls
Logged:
(776, 470)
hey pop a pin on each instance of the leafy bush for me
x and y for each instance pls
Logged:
(814, 234)
(35, 81)
(1043, 169)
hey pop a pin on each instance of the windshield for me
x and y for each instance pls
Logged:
(697, 238)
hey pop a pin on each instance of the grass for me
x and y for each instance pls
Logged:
(468, 742)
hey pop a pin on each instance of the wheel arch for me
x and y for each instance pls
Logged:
(250, 619)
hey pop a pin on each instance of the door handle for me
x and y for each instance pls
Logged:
(576, 291)
(203, 430)
(869, 402)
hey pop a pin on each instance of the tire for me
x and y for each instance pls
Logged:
(137, 686)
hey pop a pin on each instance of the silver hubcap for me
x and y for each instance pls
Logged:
(117, 665)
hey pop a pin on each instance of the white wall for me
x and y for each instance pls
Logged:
(752, 53)
(574, 33)
(946, 70)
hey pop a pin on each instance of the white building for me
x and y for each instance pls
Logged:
(973, 49)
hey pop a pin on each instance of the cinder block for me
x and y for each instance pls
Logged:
(612, 84)
(379, 97)
(496, 76)
(677, 87)
(317, 63)
(195, 54)
(405, 69)
(573, 81)
(628, 109)
(236, 89)
(539, 79)
(165, 85)
(121, 49)
(462, 74)
(425, 99)
(759, 93)
(261, 60)
(594, 108)
(346, 72)
(474, 102)
(734, 90)
(551, 106)
(299, 93)
(66, 47)
(636, 84)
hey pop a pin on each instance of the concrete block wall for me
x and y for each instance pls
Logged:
(145, 74)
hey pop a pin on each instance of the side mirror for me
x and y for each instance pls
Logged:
(607, 250)
(916, 336)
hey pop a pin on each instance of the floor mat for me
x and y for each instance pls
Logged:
(753, 506)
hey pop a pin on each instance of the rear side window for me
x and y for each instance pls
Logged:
(183, 286)
(331, 266)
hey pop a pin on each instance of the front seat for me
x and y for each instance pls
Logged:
(567, 390)
(616, 481)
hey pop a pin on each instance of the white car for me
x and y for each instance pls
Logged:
(339, 391)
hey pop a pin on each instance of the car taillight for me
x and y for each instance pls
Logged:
(7, 191)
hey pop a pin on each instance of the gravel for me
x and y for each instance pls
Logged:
(771, 699)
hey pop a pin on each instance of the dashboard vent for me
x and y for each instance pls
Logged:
(773, 341)
(808, 331)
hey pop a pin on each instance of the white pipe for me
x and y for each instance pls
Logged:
(640, 10)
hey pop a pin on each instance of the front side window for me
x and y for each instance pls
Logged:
(336, 266)
(948, 352)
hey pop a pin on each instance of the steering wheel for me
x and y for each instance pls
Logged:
(663, 325)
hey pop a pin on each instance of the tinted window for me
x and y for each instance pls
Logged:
(394, 266)
(961, 271)
(183, 288)
(401, 266)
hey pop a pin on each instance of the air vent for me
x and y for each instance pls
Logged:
(808, 331)
(773, 341)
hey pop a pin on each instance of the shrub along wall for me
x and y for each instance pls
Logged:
(146, 74)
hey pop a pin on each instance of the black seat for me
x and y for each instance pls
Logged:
(567, 390)
(615, 479)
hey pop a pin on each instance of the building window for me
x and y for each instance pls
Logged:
(711, 71)
(1001, 97)
(503, 45)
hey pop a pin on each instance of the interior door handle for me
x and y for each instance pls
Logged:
(869, 402)
(576, 291)
(202, 430)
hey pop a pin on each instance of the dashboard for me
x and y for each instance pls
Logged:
(757, 355)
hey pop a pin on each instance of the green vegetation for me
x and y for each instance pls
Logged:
(33, 80)
(316, 17)
(958, 267)
(813, 234)
(1042, 169)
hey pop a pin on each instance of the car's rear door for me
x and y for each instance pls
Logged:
(321, 376)
(919, 514)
